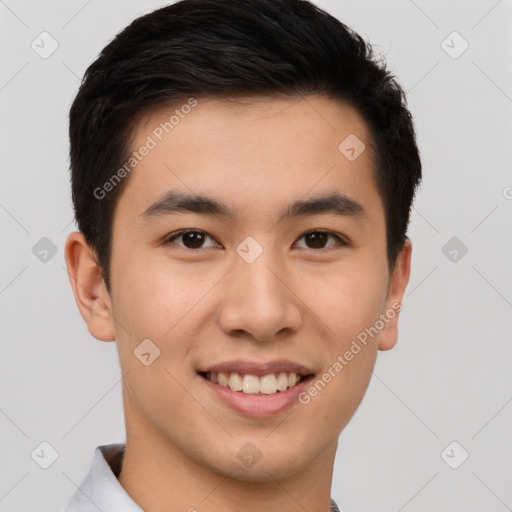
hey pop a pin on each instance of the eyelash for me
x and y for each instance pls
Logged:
(340, 241)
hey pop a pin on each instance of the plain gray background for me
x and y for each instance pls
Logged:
(448, 378)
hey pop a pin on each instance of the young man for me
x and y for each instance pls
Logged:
(242, 176)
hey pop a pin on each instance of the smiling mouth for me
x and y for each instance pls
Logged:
(269, 384)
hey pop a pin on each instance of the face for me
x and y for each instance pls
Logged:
(249, 252)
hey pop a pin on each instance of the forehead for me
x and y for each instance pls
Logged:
(251, 151)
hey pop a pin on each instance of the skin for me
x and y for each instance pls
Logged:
(207, 305)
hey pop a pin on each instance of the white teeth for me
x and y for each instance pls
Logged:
(282, 382)
(235, 382)
(268, 384)
(223, 379)
(292, 379)
(252, 384)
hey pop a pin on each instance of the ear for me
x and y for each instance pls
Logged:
(397, 285)
(89, 288)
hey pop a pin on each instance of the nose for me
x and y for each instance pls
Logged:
(259, 301)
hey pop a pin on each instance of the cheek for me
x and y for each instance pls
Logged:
(345, 300)
(158, 305)
(161, 302)
(154, 297)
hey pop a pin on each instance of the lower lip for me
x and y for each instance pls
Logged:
(259, 406)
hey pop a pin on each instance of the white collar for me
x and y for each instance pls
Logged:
(100, 491)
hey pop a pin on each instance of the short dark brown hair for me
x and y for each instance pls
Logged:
(222, 48)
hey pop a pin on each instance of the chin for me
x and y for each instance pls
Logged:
(252, 465)
(262, 472)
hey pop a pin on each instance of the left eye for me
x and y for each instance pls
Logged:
(318, 239)
(192, 239)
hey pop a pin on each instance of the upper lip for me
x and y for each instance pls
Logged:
(259, 369)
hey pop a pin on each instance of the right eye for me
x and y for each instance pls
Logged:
(191, 239)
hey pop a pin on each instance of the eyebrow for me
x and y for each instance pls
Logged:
(175, 202)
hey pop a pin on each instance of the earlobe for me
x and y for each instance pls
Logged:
(398, 283)
(88, 286)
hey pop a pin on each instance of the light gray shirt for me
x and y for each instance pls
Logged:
(101, 491)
